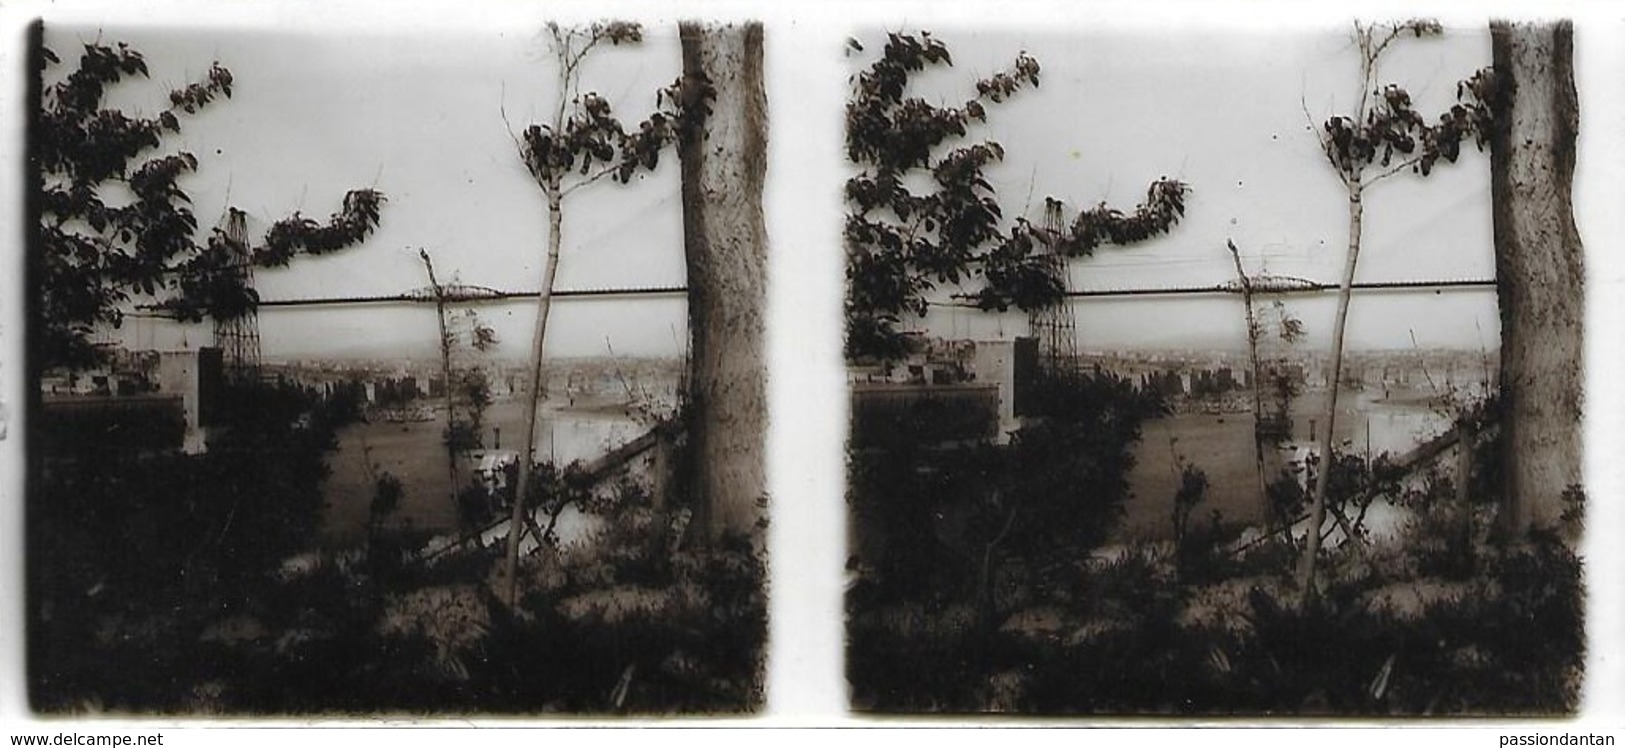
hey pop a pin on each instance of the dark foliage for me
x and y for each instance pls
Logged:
(1287, 498)
(1069, 467)
(131, 551)
(902, 243)
(116, 226)
(127, 619)
(933, 419)
(470, 398)
(588, 141)
(954, 538)
(695, 646)
(296, 234)
(1506, 642)
(1055, 488)
(1441, 621)
(1194, 539)
(111, 428)
(1391, 127)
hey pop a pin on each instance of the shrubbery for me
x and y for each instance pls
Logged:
(179, 584)
(1440, 618)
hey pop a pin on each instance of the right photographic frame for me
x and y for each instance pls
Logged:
(1215, 373)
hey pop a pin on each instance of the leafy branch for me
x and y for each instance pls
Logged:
(585, 139)
(1386, 124)
(115, 220)
(904, 240)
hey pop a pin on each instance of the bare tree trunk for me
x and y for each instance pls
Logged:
(1254, 332)
(544, 305)
(445, 373)
(724, 160)
(1539, 269)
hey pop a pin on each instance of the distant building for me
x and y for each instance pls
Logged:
(996, 365)
(197, 377)
(954, 391)
(163, 401)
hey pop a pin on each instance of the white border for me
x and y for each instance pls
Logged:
(806, 90)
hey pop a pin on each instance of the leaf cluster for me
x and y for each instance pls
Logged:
(297, 234)
(1393, 127)
(116, 221)
(922, 213)
(1389, 125)
(588, 141)
(593, 137)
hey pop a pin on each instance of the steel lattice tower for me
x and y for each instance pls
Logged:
(239, 337)
(1055, 325)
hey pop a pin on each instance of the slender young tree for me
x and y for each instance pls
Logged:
(1272, 389)
(582, 143)
(1539, 269)
(723, 152)
(1384, 137)
(446, 342)
(465, 389)
(1255, 331)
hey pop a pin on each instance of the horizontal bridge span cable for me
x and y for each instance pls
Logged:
(479, 295)
(1296, 286)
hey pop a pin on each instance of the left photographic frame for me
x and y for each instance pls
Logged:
(382, 371)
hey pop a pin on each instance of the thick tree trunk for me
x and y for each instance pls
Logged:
(1538, 267)
(724, 162)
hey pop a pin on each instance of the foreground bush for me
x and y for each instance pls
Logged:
(1129, 638)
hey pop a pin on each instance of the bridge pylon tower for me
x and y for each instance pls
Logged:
(239, 337)
(1055, 325)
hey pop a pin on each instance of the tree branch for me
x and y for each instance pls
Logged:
(1325, 144)
(600, 174)
(1406, 164)
(502, 109)
(575, 62)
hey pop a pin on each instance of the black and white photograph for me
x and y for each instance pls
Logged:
(716, 371)
(1201, 373)
(404, 371)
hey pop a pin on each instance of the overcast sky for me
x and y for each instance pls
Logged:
(1230, 114)
(1126, 132)
(418, 115)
